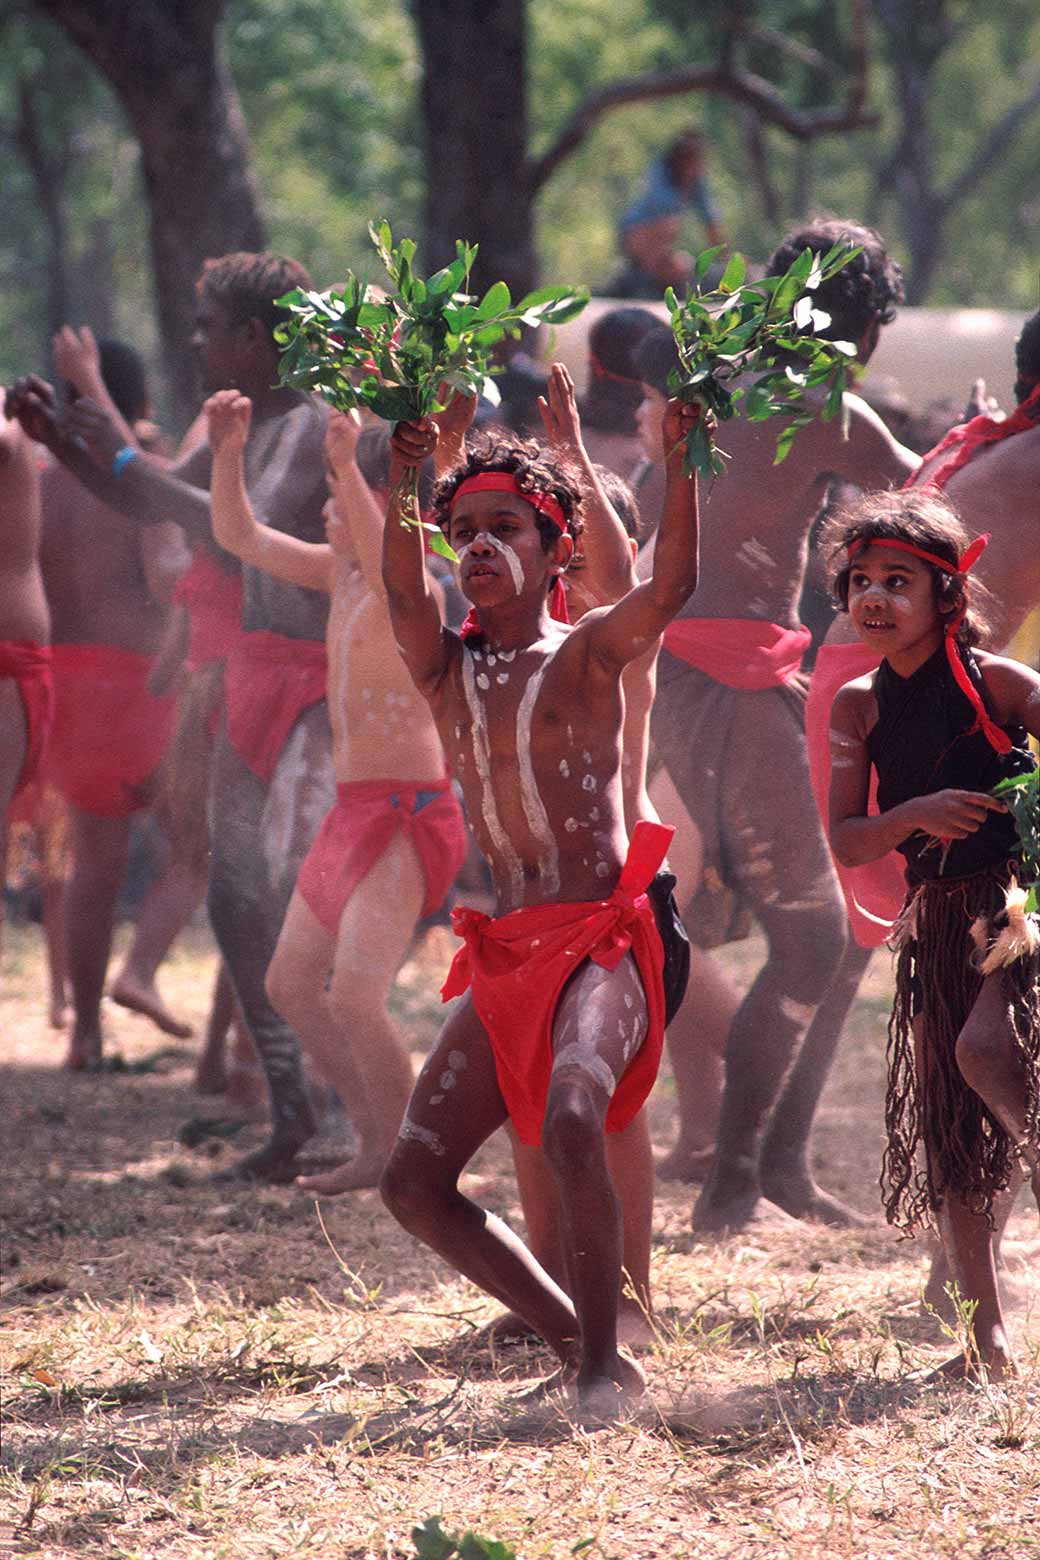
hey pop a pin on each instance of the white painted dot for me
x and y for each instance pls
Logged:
(565, 768)
(502, 678)
(589, 783)
(483, 680)
(571, 825)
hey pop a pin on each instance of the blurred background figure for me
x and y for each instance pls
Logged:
(650, 230)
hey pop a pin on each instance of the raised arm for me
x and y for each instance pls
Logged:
(87, 441)
(609, 570)
(871, 457)
(627, 630)
(235, 525)
(415, 615)
(353, 499)
(77, 359)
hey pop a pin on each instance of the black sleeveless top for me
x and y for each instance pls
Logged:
(923, 742)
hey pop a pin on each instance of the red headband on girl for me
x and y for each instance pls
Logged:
(505, 482)
(997, 739)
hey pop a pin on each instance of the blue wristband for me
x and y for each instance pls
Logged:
(122, 459)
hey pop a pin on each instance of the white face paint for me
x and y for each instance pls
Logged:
(513, 563)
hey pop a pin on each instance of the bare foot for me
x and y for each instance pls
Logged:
(794, 1190)
(727, 1203)
(362, 1171)
(84, 1053)
(692, 1165)
(275, 1162)
(608, 1395)
(146, 999)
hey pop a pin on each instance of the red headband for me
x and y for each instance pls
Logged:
(997, 739)
(600, 371)
(505, 482)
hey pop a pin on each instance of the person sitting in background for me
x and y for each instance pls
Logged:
(649, 231)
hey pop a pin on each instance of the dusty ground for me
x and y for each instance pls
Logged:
(193, 1371)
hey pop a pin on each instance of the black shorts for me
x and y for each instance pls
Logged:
(674, 940)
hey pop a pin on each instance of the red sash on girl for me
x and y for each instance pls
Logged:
(518, 964)
(874, 893)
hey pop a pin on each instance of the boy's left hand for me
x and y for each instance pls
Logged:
(559, 410)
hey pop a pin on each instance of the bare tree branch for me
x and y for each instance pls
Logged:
(996, 142)
(743, 86)
(726, 79)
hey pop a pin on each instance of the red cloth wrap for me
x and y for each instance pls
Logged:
(746, 653)
(29, 664)
(517, 965)
(213, 599)
(269, 681)
(874, 893)
(961, 443)
(109, 734)
(358, 829)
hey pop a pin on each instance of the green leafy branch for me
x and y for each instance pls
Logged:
(1021, 795)
(405, 353)
(768, 329)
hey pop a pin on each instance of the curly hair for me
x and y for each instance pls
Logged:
(863, 292)
(245, 285)
(533, 470)
(917, 515)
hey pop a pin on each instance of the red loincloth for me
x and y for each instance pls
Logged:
(746, 653)
(518, 964)
(29, 664)
(358, 830)
(269, 681)
(213, 599)
(874, 893)
(109, 734)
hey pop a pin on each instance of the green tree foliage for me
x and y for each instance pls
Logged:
(330, 94)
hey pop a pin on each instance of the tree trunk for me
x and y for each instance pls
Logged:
(474, 109)
(164, 62)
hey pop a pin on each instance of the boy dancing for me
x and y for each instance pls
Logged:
(562, 1022)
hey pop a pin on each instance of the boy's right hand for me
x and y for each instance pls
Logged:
(954, 815)
(229, 414)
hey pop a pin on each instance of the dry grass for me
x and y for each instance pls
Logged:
(190, 1371)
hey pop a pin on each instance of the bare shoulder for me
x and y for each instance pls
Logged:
(1007, 682)
(854, 710)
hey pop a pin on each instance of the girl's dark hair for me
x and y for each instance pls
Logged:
(614, 392)
(917, 515)
(534, 471)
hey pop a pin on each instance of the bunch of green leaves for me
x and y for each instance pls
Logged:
(764, 330)
(432, 1543)
(1021, 796)
(405, 353)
